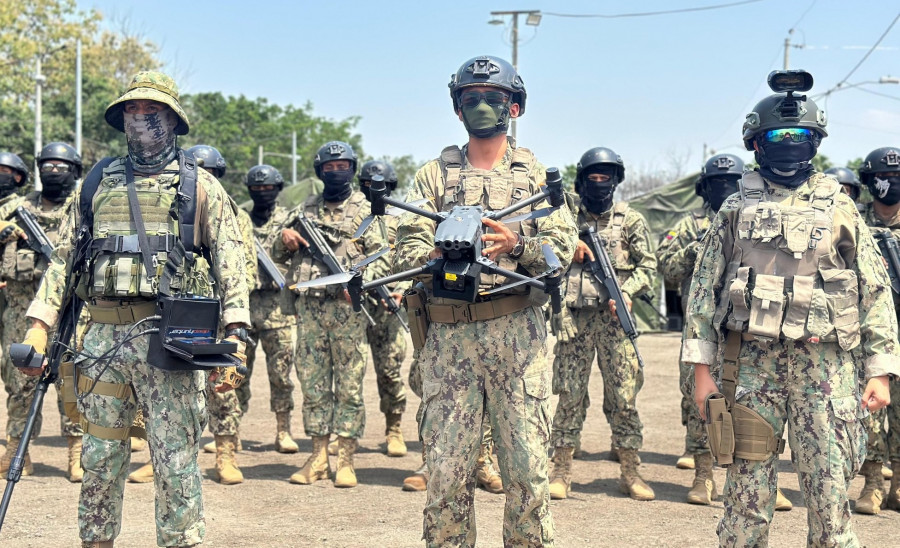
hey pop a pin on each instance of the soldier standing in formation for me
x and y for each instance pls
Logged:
(588, 325)
(171, 401)
(22, 268)
(486, 362)
(331, 359)
(850, 184)
(788, 282)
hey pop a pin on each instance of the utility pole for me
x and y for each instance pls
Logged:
(38, 131)
(533, 19)
(78, 96)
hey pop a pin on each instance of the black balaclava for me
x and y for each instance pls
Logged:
(598, 197)
(886, 190)
(337, 185)
(718, 188)
(263, 204)
(7, 184)
(57, 186)
(786, 162)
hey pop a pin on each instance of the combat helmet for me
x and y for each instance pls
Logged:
(264, 174)
(378, 167)
(13, 162)
(487, 70)
(880, 160)
(64, 152)
(845, 176)
(334, 150)
(720, 164)
(598, 156)
(153, 86)
(784, 109)
(210, 158)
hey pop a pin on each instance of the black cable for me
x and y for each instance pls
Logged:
(648, 13)
(117, 347)
(866, 56)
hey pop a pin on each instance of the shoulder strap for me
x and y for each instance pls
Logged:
(523, 160)
(88, 188)
(451, 161)
(187, 199)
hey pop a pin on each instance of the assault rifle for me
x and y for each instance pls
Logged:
(268, 266)
(37, 238)
(890, 250)
(601, 269)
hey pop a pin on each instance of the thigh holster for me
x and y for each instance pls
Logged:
(720, 429)
(754, 437)
(86, 384)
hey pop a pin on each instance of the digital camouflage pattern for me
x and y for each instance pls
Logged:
(172, 402)
(599, 332)
(22, 269)
(811, 387)
(485, 372)
(676, 255)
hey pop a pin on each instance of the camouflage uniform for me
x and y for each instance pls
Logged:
(677, 254)
(599, 331)
(22, 269)
(171, 401)
(331, 353)
(805, 376)
(273, 329)
(481, 371)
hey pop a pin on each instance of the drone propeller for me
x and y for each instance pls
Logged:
(342, 277)
(553, 266)
(392, 211)
(536, 214)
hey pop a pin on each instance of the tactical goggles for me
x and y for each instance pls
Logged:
(471, 98)
(796, 134)
(61, 167)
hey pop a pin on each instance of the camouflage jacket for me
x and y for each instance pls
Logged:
(677, 252)
(19, 262)
(270, 308)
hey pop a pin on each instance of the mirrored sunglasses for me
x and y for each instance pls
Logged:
(796, 134)
(62, 167)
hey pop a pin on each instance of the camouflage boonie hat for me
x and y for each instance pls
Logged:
(153, 86)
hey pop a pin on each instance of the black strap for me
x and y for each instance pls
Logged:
(131, 244)
(135, 207)
(187, 200)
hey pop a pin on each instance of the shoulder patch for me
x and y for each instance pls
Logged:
(671, 235)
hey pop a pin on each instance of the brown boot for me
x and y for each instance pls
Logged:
(144, 474)
(613, 453)
(704, 489)
(345, 475)
(419, 480)
(685, 462)
(630, 482)
(561, 476)
(316, 466)
(12, 445)
(396, 447)
(886, 472)
(226, 465)
(872, 495)
(284, 443)
(485, 476)
(210, 447)
(893, 499)
(138, 444)
(333, 448)
(76, 473)
(578, 454)
(782, 504)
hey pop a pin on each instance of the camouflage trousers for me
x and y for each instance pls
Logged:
(495, 372)
(20, 387)
(224, 411)
(331, 364)
(388, 344)
(884, 444)
(598, 332)
(695, 439)
(174, 411)
(813, 389)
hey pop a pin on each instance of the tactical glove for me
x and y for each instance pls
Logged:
(10, 232)
(37, 339)
(563, 326)
(232, 377)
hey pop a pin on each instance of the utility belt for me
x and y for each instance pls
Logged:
(735, 430)
(476, 312)
(120, 311)
(86, 384)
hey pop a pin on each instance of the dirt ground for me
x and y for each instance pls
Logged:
(268, 511)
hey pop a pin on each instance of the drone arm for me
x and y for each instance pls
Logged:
(398, 277)
(413, 209)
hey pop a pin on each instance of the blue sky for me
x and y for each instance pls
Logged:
(650, 88)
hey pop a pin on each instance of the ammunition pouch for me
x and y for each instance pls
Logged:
(101, 388)
(414, 302)
(720, 429)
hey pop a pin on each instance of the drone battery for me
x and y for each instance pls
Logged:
(187, 335)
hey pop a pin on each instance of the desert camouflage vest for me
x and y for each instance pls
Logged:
(20, 262)
(786, 279)
(115, 266)
(469, 186)
(337, 227)
(582, 289)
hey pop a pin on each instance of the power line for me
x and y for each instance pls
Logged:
(894, 97)
(648, 13)
(866, 56)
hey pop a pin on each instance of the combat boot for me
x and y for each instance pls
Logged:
(630, 482)
(211, 446)
(333, 448)
(76, 473)
(578, 454)
(561, 476)
(284, 443)
(704, 489)
(12, 445)
(782, 504)
(485, 476)
(396, 447)
(345, 475)
(886, 472)
(685, 462)
(419, 480)
(144, 474)
(138, 444)
(893, 499)
(613, 453)
(226, 466)
(316, 466)
(872, 495)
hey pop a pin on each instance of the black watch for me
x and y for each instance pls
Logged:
(519, 248)
(239, 332)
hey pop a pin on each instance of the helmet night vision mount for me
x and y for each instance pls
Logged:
(457, 272)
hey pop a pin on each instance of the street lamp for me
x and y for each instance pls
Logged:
(533, 18)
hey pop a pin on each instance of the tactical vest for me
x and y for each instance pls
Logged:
(338, 230)
(472, 187)
(582, 289)
(115, 266)
(22, 264)
(786, 280)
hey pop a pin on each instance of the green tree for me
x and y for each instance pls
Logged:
(821, 162)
